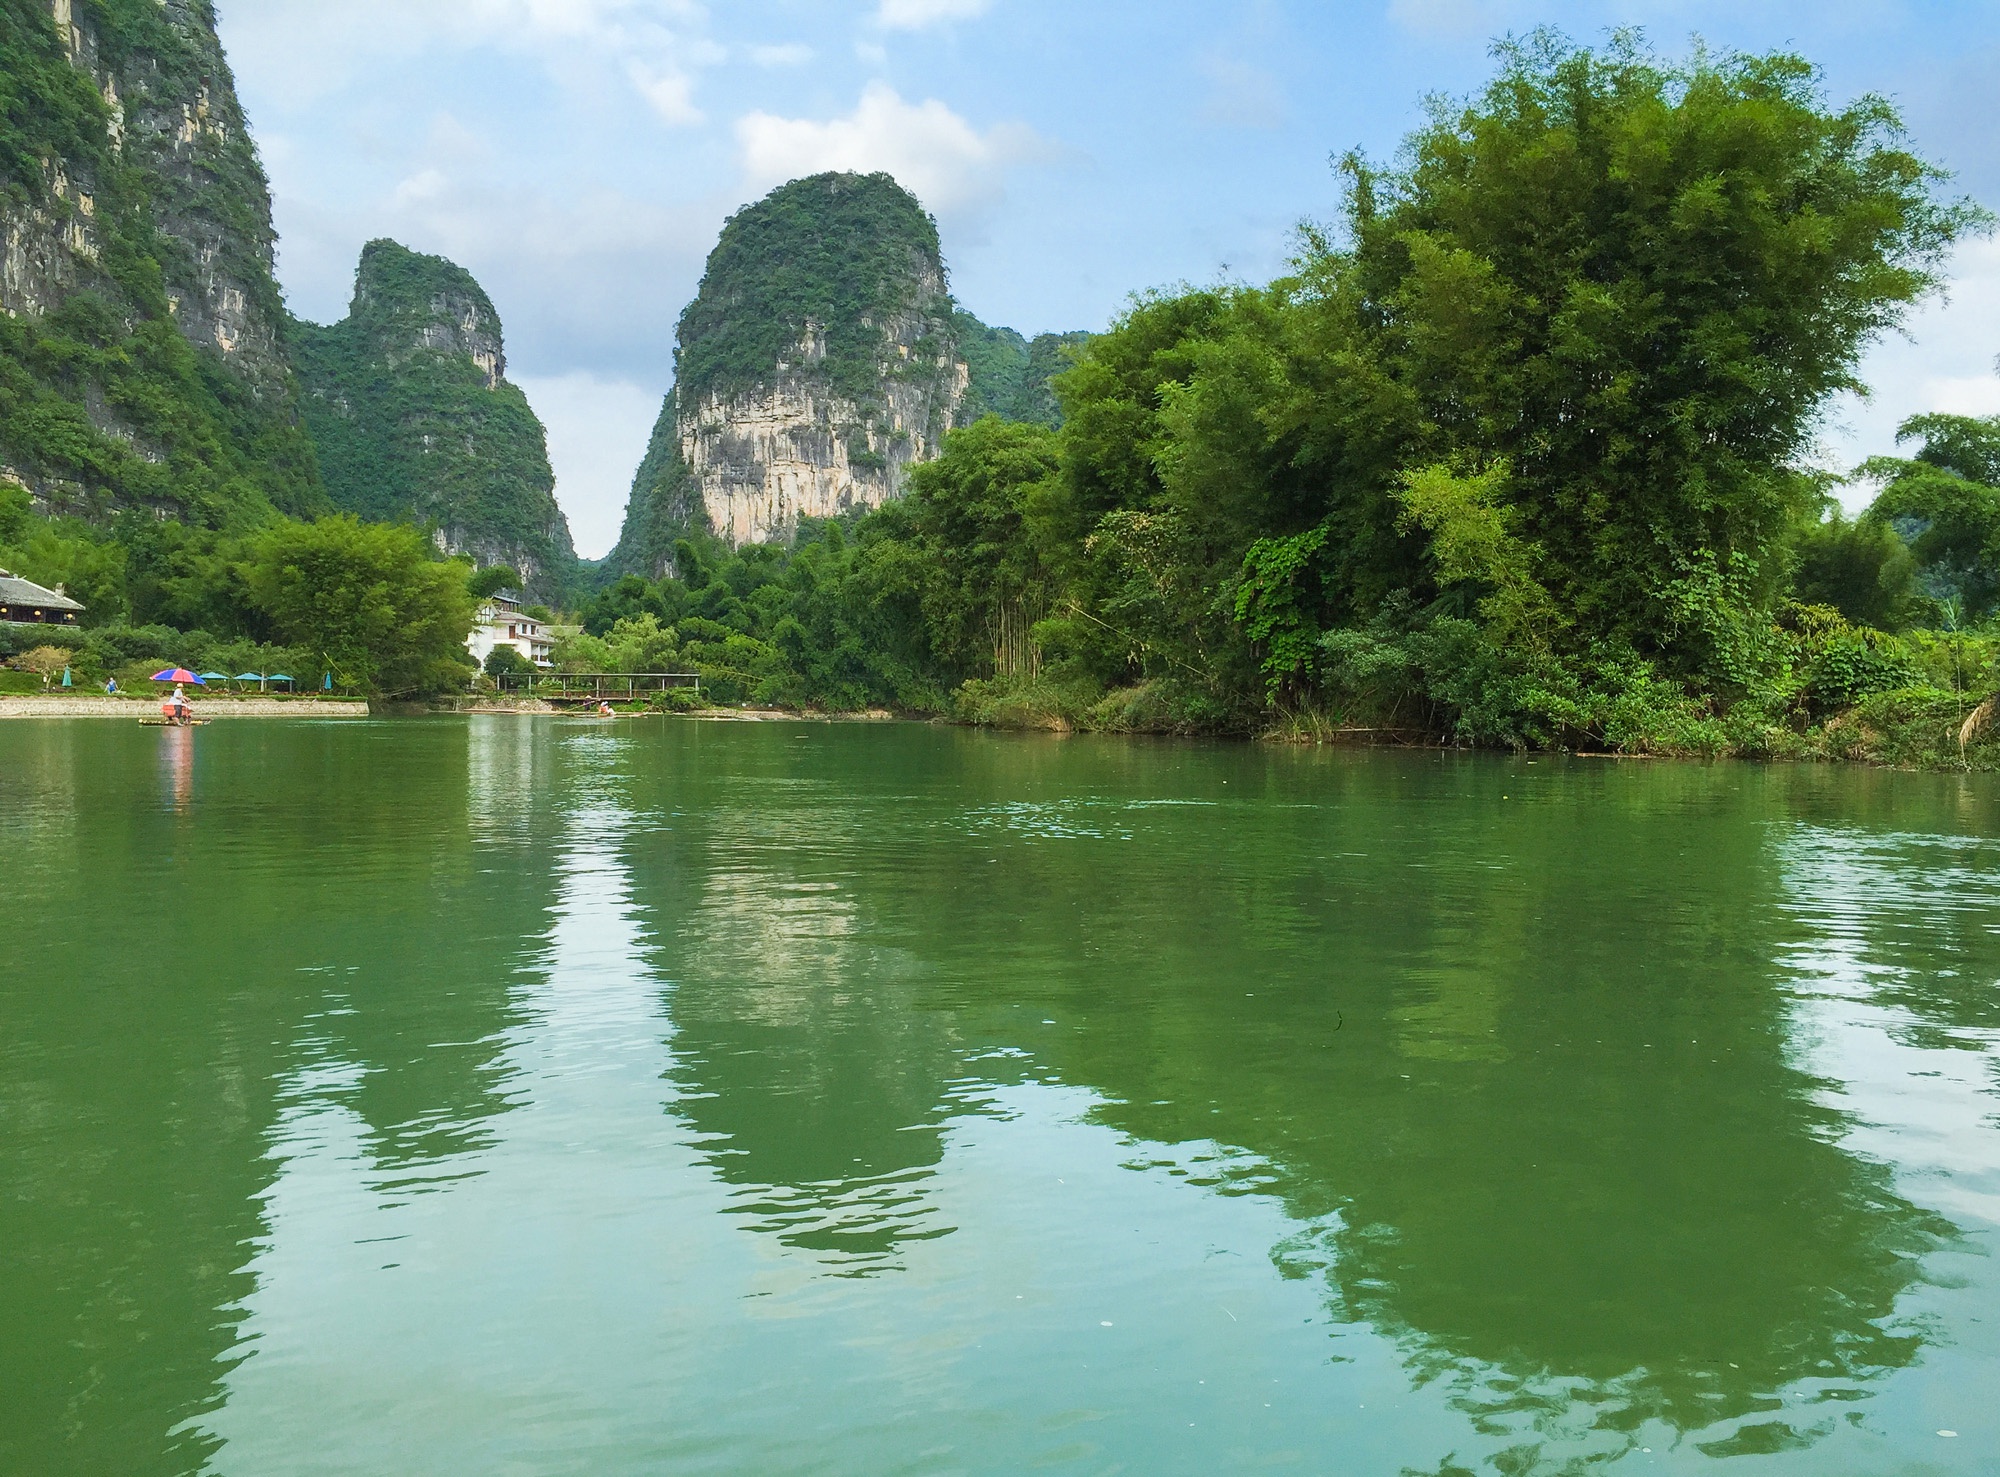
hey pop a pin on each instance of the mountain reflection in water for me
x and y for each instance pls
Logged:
(1575, 1102)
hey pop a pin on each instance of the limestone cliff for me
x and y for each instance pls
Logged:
(414, 418)
(816, 363)
(131, 196)
(821, 358)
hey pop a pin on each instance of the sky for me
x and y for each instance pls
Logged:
(580, 156)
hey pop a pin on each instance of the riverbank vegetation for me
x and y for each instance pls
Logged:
(1517, 454)
(368, 605)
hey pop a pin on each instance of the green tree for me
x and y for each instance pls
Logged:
(1639, 283)
(970, 512)
(491, 580)
(16, 505)
(1966, 444)
(368, 598)
(46, 662)
(1860, 567)
(505, 661)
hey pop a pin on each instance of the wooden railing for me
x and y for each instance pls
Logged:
(596, 687)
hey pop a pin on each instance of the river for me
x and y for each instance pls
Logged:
(541, 1096)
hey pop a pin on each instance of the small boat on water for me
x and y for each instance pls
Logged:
(173, 723)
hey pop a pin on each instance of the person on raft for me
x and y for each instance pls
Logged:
(177, 709)
(604, 711)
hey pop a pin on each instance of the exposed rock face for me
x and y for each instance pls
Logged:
(766, 458)
(858, 376)
(414, 417)
(816, 363)
(169, 109)
(821, 359)
(127, 172)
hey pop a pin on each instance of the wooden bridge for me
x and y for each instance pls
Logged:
(597, 687)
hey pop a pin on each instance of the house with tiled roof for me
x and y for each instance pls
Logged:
(23, 602)
(501, 621)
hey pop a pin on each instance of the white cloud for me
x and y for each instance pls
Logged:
(598, 429)
(1945, 363)
(790, 55)
(669, 94)
(1446, 17)
(422, 187)
(932, 151)
(1243, 96)
(918, 15)
(304, 49)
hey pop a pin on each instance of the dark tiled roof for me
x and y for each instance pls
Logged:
(17, 592)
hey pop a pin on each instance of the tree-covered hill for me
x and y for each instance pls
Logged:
(836, 257)
(824, 353)
(143, 360)
(1516, 455)
(410, 408)
(1012, 376)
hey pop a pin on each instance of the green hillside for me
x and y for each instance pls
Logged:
(142, 353)
(414, 419)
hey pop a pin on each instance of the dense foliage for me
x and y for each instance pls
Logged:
(1514, 457)
(370, 604)
(408, 426)
(385, 616)
(1011, 376)
(836, 254)
(104, 403)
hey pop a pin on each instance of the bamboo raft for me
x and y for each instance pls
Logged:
(171, 723)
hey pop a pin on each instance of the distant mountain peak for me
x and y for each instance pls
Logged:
(415, 420)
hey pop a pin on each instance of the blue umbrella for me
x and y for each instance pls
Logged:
(279, 677)
(256, 677)
(178, 674)
(66, 681)
(213, 677)
(327, 685)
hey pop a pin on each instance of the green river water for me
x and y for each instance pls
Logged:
(505, 1096)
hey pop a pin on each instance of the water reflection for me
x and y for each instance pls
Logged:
(1894, 984)
(177, 768)
(1528, 1081)
(801, 1054)
(171, 986)
(648, 1097)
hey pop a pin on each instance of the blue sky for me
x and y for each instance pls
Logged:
(579, 156)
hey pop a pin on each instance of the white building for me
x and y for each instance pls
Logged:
(499, 622)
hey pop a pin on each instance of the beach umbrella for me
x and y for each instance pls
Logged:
(327, 685)
(213, 677)
(256, 677)
(279, 677)
(66, 681)
(178, 674)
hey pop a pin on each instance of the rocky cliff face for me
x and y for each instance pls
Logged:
(414, 417)
(816, 363)
(169, 109)
(797, 448)
(836, 285)
(822, 357)
(130, 195)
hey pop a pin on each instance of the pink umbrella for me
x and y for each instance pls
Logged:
(179, 674)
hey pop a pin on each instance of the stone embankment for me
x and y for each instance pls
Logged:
(147, 706)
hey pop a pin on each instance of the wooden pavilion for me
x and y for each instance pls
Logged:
(23, 602)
